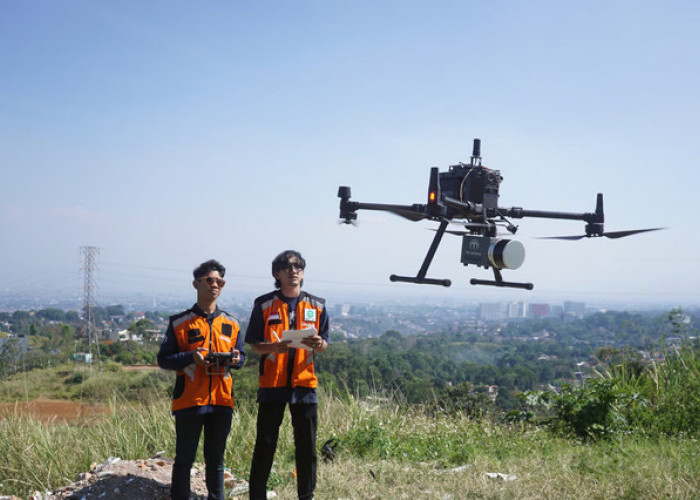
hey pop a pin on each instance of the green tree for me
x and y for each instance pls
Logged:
(145, 329)
(51, 314)
(10, 355)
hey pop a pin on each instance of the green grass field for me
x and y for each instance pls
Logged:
(385, 451)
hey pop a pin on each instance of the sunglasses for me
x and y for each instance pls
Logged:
(293, 265)
(210, 280)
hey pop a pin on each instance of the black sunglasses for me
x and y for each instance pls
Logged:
(293, 265)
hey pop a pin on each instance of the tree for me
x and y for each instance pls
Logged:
(10, 354)
(51, 314)
(144, 329)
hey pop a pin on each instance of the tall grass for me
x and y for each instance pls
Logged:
(384, 452)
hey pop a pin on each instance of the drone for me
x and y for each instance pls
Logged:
(467, 194)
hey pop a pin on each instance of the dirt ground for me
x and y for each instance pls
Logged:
(48, 410)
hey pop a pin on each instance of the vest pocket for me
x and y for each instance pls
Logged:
(194, 336)
(179, 386)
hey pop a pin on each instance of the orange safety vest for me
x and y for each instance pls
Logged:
(274, 367)
(198, 385)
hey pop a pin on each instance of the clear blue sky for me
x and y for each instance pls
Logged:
(169, 132)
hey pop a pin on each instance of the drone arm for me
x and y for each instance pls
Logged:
(464, 208)
(519, 213)
(592, 218)
(349, 208)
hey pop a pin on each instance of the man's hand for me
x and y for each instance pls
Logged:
(272, 347)
(281, 346)
(315, 342)
(199, 357)
(235, 356)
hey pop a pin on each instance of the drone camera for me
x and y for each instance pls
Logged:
(486, 251)
(506, 254)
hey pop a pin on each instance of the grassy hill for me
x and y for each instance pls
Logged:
(385, 451)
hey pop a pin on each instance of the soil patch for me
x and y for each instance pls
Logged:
(50, 410)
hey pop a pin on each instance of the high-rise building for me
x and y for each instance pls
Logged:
(491, 312)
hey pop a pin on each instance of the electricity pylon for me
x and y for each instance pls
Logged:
(89, 255)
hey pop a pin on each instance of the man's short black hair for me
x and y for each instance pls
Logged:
(206, 267)
(280, 263)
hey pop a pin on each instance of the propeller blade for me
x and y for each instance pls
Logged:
(622, 234)
(611, 234)
(464, 232)
(407, 214)
(452, 231)
(561, 237)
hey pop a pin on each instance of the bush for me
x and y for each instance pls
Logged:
(597, 409)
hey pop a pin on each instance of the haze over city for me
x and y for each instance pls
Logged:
(166, 134)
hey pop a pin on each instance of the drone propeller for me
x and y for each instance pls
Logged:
(611, 234)
(457, 232)
(405, 212)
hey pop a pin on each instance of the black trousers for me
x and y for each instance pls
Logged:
(304, 422)
(188, 429)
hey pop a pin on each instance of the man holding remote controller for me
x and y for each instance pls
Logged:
(202, 344)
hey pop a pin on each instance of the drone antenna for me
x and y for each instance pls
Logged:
(476, 153)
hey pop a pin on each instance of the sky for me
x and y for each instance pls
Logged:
(165, 133)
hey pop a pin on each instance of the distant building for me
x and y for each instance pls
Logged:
(575, 309)
(491, 312)
(516, 310)
(493, 392)
(539, 310)
(82, 357)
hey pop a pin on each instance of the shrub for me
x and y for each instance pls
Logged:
(597, 409)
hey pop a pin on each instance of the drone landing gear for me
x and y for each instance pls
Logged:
(499, 282)
(420, 277)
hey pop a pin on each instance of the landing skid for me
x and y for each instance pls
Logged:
(500, 283)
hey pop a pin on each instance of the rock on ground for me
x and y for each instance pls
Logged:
(136, 479)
